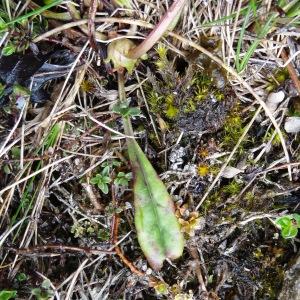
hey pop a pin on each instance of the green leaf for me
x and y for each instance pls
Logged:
(106, 170)
(106, 179)
(289, 232)
(283, 221)
(289, 225)
(124, 110)
(6, 169)
(157, 227)
(21, 277)
(15, 152)
(19, 90)
(103, 187)
(263, 32)
(9, 49)
(33, 13)
(123, 179)
(95, 179)
(36, 291)
(46, 284)
(6, 295)
(294, 11)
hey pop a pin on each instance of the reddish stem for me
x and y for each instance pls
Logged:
(291, 70)
(158, 31)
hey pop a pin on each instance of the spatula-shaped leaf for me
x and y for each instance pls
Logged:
(157, 227)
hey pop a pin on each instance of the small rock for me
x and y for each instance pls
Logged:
(230, 172)
(291, 284)
(292, 124)
(274, 99)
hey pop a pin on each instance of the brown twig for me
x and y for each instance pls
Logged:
(129, 264)
(62, 248)
(114, 239)
(291, 70)
(194, 254)
(28, 159)
(91, 25)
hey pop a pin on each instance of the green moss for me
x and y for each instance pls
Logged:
(279, 77)
(162, 61)
(249, 199)
(276, 140)
(190, 106)
(233, 129)
(166, 99)
(219, 95)
(154, 100)
(171, 111)
(211, 201)
(233, 188)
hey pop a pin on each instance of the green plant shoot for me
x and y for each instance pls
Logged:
(158, 229)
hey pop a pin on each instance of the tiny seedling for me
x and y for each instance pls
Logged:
(288, 225)
(123, 179)
(102, 180)
(45, 292)
(21, 277)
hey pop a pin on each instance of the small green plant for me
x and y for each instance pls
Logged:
(6, 294)
(125, 110)
(84, 228)
(288, 225)
(123, 179)
(102, 180)
(276, 140)
(45, 292)
(21, 277)
(162, 61)
(233, 128)
(157, 227)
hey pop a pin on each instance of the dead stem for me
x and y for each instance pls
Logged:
(291, 70)
(61, 248)
(91, 25)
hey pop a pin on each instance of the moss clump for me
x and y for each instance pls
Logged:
(173, 94)
(279, 77)
(233, 188)
(233, 128)
(171, 110)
